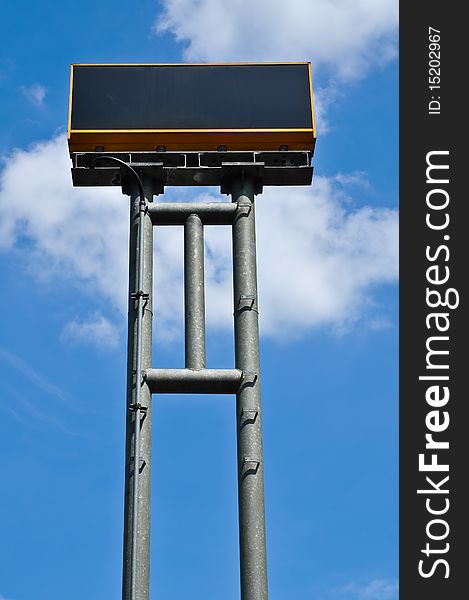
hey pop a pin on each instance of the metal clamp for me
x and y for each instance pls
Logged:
(250, 466)
(143, 377)
(248, 415)
(139, 294)
(246, 302)
(139, 410)
(244, 208)
(138, 407)
(141, 462)
(249, 377)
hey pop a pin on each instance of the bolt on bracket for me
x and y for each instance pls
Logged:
(139, 294)
(244, 207)
(141, 462)
(135, 407)
(246, 301)
(250, 465)
(248, 415)
(249, 377)
(143, 376)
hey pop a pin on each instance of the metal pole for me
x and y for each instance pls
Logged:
(190, 381)
(253, 563)
(136, 567)
(176, 213)
(194, 293)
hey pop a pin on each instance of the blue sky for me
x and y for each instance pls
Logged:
(328, 300)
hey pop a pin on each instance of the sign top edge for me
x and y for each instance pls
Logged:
(214, 64)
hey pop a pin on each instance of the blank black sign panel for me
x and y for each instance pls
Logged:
(185, 107)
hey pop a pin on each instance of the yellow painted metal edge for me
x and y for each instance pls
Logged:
(216, 64)
(70, 104)
(304, 129)
(313, 119)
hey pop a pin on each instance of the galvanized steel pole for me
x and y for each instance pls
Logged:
(236, 177)
(253, 563)
(136, 567)
(194, 293)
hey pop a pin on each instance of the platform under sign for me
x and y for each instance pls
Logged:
(137, 108)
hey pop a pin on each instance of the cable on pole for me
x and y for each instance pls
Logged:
(139, 296)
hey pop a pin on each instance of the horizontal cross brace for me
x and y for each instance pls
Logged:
(176, 213)
(188, 381)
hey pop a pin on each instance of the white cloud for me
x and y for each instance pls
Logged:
(318, 260)
(34, 93)
(346, 37)
(76, 234)
(319, 257)
(96, 331)
(378, 589)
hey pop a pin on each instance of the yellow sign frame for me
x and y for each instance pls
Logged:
(135, 140)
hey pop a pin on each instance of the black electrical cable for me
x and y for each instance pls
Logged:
(130, 169)
(136, 407)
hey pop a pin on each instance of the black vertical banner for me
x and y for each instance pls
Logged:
(434, 357)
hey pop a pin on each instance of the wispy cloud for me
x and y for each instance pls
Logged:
(26, 370)
(344, 38)
(29, 413)
(324, 247)
(96, 331)
(35, 93)
(7, 65)
(377, 589)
